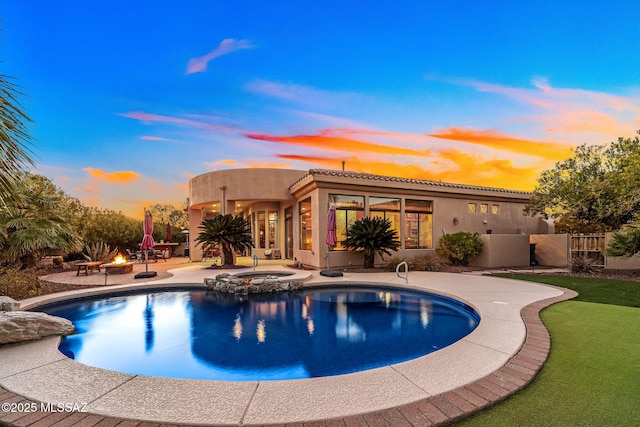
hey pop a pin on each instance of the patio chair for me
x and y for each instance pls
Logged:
(131, 255)
(159, 255)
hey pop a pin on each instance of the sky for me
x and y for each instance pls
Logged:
(131, 99)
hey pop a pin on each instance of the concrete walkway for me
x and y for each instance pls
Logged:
(498, 358)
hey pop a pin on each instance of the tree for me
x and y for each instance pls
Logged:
(169, 214)
(97, 225)
(596, 190)
(15, 142)
(372, 236)
(33, 227)
(229, 233)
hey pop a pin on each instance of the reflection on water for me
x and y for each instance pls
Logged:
(148, 323)
(319, 332)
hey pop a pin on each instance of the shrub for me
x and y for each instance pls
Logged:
(393, 262)
(583, 264)
(20, 284)
(460, 247)
(428, 263)
(418, 263)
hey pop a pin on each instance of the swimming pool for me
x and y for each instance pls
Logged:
(320, 331)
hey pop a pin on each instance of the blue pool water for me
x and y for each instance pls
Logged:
(312, 333)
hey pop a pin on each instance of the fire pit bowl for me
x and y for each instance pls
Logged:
(119, 268)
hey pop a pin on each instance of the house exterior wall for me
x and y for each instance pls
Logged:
(227, 187)
(552, 250)
(503, 250)
(276, 189)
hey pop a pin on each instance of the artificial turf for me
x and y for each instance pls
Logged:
(590, 289)
(592, 376)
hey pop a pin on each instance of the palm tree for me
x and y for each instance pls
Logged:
(227, 232)
(372, 236)
(33, 227)
(15, 142)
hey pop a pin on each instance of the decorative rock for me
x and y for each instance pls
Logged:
(8, 304)
(17, 326)
(228, 283)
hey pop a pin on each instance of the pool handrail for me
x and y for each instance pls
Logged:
(406, 271)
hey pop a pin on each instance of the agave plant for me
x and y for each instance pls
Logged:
(228, 233)
(99, 251)
(372, 236)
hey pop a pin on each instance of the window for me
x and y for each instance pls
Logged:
(495, 209)
(304, 208)
(471, 208)
(348, 210)
(484, 208)
(387, 208)
(418, 224)
(273, 228)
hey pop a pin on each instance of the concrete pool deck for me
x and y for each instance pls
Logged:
(499, 357)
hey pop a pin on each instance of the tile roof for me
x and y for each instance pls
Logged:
(367, 176)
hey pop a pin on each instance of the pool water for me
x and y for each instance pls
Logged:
(317, 332)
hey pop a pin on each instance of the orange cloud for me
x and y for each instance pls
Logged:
(452, 166)
(120, 177)
(198, 65)
(494, 139)
(152, 138)
(325, 140)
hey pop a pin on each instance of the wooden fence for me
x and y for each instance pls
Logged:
(589, 246)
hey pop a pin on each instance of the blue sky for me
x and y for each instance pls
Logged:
(133, 98)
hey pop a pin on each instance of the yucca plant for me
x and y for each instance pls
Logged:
(99, 252)
(372, 236)
(226, 232)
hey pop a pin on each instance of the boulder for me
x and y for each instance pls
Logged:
(8, 304)
(17, 326)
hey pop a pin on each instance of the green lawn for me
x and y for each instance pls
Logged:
(592, 377)
(605, 291)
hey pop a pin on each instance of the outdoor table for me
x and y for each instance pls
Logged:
(87, 267)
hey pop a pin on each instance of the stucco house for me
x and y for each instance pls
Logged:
(288, 211)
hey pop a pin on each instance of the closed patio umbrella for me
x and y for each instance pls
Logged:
(147, 244)
(168, 232)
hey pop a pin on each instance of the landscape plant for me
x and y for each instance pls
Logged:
(19, 283)
(372, 236)
(625, 243)
(227, 232)
(459, 248)
(33, 227)
(99, 252)
(15, 141)
(583, 264)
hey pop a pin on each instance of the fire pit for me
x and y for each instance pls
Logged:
(119, 266)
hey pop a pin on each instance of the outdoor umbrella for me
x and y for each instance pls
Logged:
(331, 239)
(147, 244)
(168, 232)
